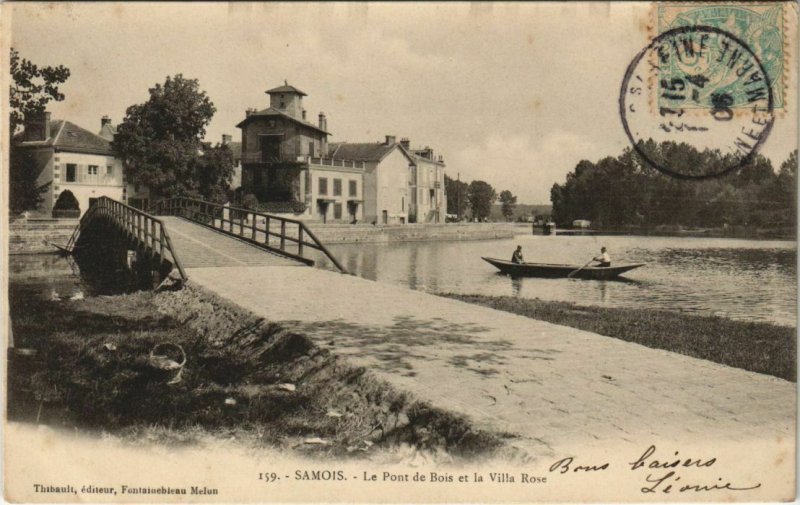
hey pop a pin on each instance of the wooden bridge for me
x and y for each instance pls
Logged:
(183, 234)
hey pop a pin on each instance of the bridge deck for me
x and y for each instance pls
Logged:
(199, 246)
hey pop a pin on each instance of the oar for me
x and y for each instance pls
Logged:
(578, 270)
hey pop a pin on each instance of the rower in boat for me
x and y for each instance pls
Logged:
(560, 270)
(517, 256)
(604, 260)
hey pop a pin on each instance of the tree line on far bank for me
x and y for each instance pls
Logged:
(475, 200)
(625, 191)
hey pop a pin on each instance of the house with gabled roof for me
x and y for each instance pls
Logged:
(401, 184)
(428, 196)
(69, 157)
(386, 180)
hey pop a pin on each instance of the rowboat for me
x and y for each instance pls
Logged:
(556, 270)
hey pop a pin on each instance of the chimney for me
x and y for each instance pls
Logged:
(304, 114)
(390, 139)
(323, 121)
(105, 120)
(37, 126)
(405, 143)
(226, 139)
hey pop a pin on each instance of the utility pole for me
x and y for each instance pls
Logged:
(458, 196)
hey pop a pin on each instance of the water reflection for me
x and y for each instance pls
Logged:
(516, 286)
(603, 290)
(55, 277)
(741, 279)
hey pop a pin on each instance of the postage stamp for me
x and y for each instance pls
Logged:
(760, 26)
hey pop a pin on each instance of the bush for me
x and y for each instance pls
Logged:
(283, 207)
(67, 201)
(250, 202)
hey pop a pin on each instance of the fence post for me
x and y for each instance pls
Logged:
(253, 227)
(266, 231)
(283, 235)
(299, 239)
(161, 245)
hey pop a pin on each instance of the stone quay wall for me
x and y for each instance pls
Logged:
(344, 233)
(36, 236)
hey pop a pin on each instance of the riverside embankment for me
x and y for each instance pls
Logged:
(549, 387)
(345, 233)
(261, 382)
(34, 236)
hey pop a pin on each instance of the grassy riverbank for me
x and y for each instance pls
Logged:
(754, 346)
(244, 377)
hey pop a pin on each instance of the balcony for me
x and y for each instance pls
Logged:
(329, 162)
(258, 157)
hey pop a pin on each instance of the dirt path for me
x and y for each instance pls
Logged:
(553, 387)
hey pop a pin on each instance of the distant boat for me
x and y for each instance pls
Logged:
(556, 270)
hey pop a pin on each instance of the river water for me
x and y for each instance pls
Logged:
(747, 280)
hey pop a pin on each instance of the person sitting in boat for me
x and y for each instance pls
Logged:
(604, 260)
(517, 256)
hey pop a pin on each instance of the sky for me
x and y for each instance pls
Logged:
(514, 94)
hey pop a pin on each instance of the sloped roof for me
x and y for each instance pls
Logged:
(286, 88)
(76, 139)
(371, 151)
(69, 137)
(107, 131)
(368, 151)
(275, 112)
(416, 157)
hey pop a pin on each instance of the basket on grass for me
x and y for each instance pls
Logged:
(163, 357)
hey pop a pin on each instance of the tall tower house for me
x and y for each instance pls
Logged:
(287, 99)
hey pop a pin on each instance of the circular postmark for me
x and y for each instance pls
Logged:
(701, 86)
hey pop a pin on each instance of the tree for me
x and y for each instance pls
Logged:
(213, 171)
(456, 191)
(32, 88)
(481, 197)
(785, 192)
(622, 191)
(508, 202)
(160, 142)
(24, 193)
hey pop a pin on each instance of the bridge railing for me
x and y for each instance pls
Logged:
(275, 233)
(149, 230)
